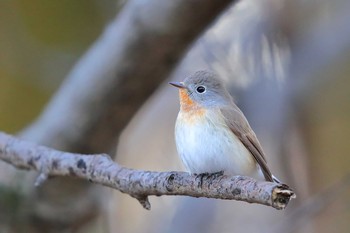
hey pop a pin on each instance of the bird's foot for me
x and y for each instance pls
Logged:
(215, 175)
(201, 176)
(207, 175)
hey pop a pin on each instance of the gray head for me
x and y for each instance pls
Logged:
(205, 88)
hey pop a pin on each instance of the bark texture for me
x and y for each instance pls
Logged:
(101, 169)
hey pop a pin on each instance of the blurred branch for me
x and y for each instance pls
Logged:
(113, 79)
(101, 169)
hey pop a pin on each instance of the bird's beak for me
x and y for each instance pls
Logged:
(178, 84)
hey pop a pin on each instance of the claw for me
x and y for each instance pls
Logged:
(216, 174)
(207, 175)
(201, 177)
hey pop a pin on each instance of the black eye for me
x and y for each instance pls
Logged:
(200, 89)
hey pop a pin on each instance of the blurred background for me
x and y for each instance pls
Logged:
(285, 62)
(40, 42)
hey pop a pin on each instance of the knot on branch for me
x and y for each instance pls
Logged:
(236, 191)
(170, 182)
(81, 165)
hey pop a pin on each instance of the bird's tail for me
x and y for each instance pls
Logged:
(274, 178)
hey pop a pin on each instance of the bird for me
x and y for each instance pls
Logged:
(212, 134)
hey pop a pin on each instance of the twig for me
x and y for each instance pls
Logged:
(101, 169)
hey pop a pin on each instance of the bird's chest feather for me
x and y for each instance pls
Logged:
(206, 144)
(201, 130)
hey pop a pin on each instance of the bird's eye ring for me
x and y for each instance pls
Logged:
(200, 89)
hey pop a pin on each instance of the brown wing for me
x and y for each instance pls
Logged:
(239, 125)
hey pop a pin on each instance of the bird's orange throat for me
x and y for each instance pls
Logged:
(187, 104)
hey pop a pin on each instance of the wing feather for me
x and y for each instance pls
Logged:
(239, 125)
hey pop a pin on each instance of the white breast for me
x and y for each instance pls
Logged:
(206, 144)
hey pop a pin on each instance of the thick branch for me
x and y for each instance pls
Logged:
(139, 184)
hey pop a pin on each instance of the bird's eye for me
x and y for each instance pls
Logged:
(200, 89)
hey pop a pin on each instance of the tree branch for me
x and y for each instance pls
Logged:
(101, 169)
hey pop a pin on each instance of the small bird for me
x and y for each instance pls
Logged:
(212, 134)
